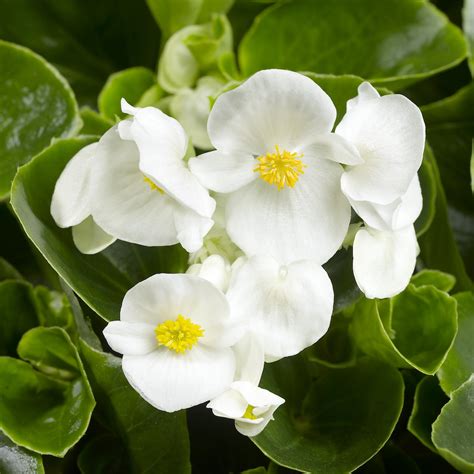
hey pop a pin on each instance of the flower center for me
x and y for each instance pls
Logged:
(180, 335)
(152, 185)
(249, 413)
(281, 168)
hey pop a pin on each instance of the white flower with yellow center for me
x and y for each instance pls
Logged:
(175, 334)
(250, 406)
(71, 204)
(388, 134)
(276, 159)
(136, 186)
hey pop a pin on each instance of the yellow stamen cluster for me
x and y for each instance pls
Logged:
(152, 185)
(280, 168)
(179, 335)
(249, 413)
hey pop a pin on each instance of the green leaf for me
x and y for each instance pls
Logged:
(173, 15)
(336, 348)
(85, 39)
(129, 84)
(450, 129)
(100, 280)
(437, 244)
(8, 271)
(112, 459)
(429, 191)
(53, 309)
(17, 314)
(442, 281)
(459, 363)
(391, 43)
(49, 406)
(468, 27)
(16, 460)
(93, 122)
(346, 417)
(155, 441)
(429, 399)
(391, 459)
(453, 431)
(413, 329)
(36, 105)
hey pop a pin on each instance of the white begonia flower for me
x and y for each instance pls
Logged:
(275, 157)
(288, 308)
(71, 204)
(250, 406)
(389, 135)
(217, 241)
(175, 334)
(385, 250)
(132, 202)
(191, 108)
(214, 269)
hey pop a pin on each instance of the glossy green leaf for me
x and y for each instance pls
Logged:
(346, 417)
(468, 27)
(93, 123)
(172, 15)
(112, 458)
(437, 244)
(450, 130)
(85, 39)
(429, 399)
(336, 348)
(36, 105)
(429, 191)
(453, 431)
(49, 406)
(129, 84)
(459, 363)
(413, 329)
(53, 309)
(17, 460)
(339, 88)
(442, 281)
(17, 314)
(155, 441)
(100, 280)
(391, 43)
(391, 459)
(8, 271)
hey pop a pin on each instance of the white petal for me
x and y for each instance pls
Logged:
(249, 358)
(384, 261)
(214, 269)
(396, 215)
(330, 146)
(273, 107)
(123, 204)
(287, 308)
(229, 404)
(365, 92)
(191, 228)
(308, 221)
(256, 396)
(389, 133)
(89, 238)
(223, 172)
(163, 297)
(162, 144)
(131, 338)
(70, 201)
(171, 381)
